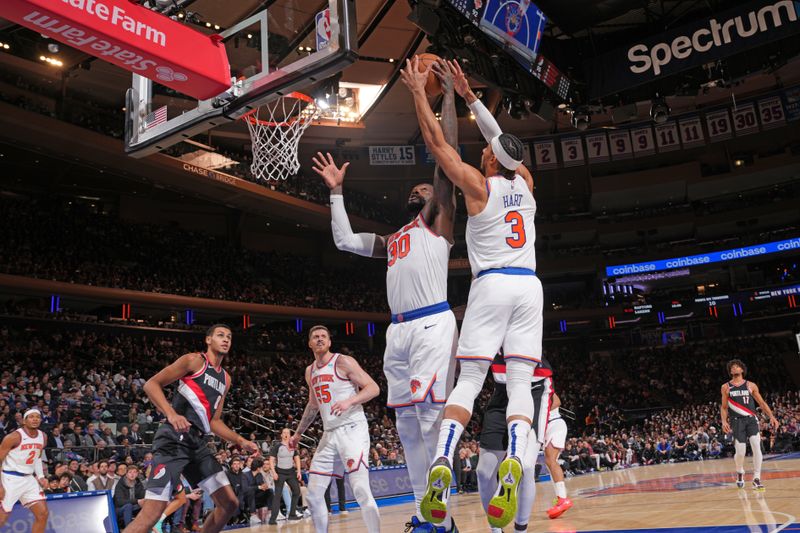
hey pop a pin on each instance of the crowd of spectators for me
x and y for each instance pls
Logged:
(91, 247)
(632, 407)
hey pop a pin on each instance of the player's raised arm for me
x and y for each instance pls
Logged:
(185, 365)
(465, 177)
(367, 388)
(440, 214)
(365, 244)
(309, 413)
(486, 121)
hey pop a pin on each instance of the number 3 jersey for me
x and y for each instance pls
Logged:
(416, 268)
(503, 234)
(329, 388)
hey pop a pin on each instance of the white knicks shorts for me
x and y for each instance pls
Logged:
(503, 311)
(23, 489)
(418, 361)
(342, 450)
(556, 433)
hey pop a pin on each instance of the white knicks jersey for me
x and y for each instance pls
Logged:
(23, 458)
(416, 267)
(503, 234)
(330, 388)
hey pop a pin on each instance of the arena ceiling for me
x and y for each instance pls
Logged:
(577, 29)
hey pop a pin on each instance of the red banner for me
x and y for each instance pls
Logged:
(131, 37)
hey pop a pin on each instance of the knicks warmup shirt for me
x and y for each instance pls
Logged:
(22, 459)
(503, 234)
(740, 402)
(416, 271)
(330, 388)
(199, 395)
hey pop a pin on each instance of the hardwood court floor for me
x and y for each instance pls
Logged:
(682, 497)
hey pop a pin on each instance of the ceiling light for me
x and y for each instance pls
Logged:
(659, 110)
(208, 24)
(216, 26)
(581, 118)
(391, 60)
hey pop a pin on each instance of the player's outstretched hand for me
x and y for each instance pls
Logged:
(331, 174)
(774, 423)
(179, 422)
(460, 83)
(442, 71)
(726, 428)
(412, 77)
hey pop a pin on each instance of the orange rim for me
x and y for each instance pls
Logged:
(249, 116)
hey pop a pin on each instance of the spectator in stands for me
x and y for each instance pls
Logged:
(101, 480)
(77, 482)
(663, 451)
(692, 451)
(465, 468)
(129, 496)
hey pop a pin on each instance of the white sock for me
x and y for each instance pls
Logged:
(738, 457)
(317, 485)
(561, 489)
(527, 489)
(758, 458)
(518, 431)
(359, 482)
(488, 462)
(417, 458)
(449, 435)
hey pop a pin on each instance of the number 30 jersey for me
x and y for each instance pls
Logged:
(503, 234)
(329, 388)
(416, 267)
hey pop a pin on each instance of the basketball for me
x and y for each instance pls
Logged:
(432, 87)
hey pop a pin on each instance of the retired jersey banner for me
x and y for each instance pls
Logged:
(792, 100)
(643, 141)
(771, 112)
(572, 151)
(392, 155)
(719, 125)
(620, 143)
(544, 152)
(691, 129)
(667, 138)
(132, 37)
(597, 147)
(744, 119)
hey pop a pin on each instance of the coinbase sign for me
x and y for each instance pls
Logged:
(704, 259)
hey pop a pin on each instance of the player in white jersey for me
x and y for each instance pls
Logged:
(421, 341)
(505, 301)
(337, 389)
(23, 474)
(555, 438)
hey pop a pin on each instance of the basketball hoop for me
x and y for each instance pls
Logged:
(277, 132)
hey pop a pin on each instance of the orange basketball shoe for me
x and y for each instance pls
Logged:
(561, 507)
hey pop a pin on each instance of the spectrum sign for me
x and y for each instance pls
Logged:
(705, 259)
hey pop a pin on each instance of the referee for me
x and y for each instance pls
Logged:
(285, 469)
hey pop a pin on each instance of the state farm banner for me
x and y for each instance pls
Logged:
(706, 40)
(132, 37)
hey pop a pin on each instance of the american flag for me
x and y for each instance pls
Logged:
(154, 118)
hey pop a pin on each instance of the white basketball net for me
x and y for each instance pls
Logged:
(276, 133)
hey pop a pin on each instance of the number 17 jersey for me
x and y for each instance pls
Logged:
(503, 234)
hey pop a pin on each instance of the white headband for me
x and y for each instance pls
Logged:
(502, 156)
(30, 412)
